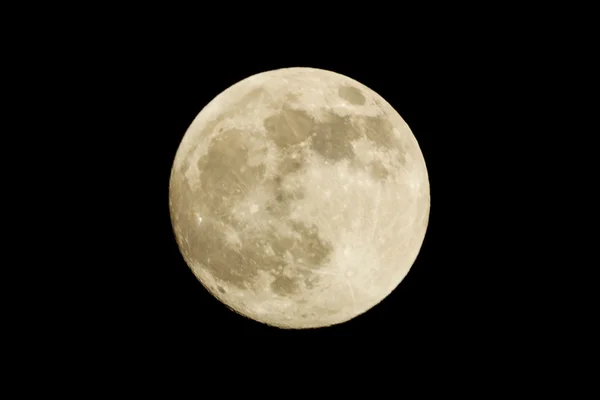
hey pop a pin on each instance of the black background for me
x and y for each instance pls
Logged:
(155, 90)
(166, 292)
(129, 84)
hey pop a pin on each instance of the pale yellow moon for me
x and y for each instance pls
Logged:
(299, 198)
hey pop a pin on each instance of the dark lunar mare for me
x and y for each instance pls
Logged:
(226, 177)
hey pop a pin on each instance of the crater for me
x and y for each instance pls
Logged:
(352, 95)
(221, 289)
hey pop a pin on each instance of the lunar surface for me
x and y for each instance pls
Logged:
(299, 198)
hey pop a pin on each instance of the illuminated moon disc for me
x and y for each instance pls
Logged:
(299, 198)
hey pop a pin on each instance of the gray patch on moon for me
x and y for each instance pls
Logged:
(380, 131)
(284, 285)
(289, 127)
(333, 138)
(290, 165)
(352, 95)
(378, 171)
(266, 251)
(227, 178)
(238, 265)
(231, 112)
(226, 173)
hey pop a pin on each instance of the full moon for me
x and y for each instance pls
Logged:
(299, 198)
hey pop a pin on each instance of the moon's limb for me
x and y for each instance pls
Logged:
(299, 198)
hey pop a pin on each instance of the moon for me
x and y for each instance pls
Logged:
(299, 198)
